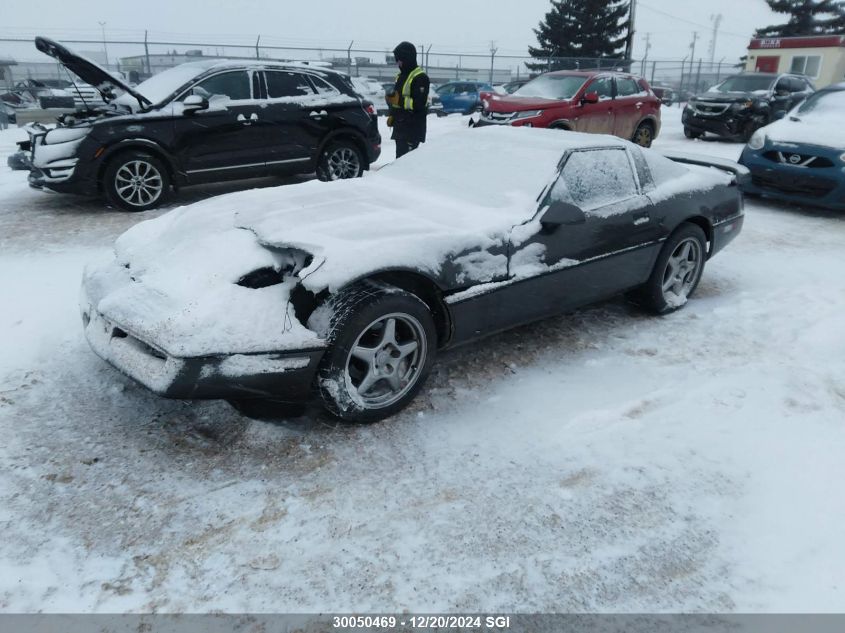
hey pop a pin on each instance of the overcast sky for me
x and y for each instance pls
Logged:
(449, 25)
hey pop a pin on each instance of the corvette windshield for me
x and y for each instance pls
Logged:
(744, 83)
(552, 87)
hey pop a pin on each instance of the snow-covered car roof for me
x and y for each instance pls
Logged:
(162, 85)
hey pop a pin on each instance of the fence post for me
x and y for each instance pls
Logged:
(492, 57)
(147, 54)
(349, 58)
(653, 70)
(698, 77)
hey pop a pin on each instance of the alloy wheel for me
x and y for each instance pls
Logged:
(344, 163)
(682, 271)
(386, 360)
(138, 183)
(643, 137)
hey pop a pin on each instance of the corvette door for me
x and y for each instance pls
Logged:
(592, 237)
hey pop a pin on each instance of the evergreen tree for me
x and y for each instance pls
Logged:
(582, 30)
(806, 17)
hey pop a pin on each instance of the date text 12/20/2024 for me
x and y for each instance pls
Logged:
(437, 622)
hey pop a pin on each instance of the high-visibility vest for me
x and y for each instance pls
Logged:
(407, 99)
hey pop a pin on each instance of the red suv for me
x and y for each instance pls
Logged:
(598, 102)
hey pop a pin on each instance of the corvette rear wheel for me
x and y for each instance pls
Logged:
(677, 271)
(382, 343)
(136, 181)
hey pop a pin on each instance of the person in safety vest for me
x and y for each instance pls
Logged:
(409, 100)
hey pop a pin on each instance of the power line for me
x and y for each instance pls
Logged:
(699, 24)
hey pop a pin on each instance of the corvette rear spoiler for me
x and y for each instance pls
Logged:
(740, 173)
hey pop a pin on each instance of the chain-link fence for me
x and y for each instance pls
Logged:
(139, 59)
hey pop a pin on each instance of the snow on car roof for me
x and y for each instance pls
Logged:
(161, 85)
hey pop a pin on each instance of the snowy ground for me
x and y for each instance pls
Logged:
(601, 461)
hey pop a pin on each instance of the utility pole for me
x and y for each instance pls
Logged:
(349, 58)
(493, 50)
(629, 44)
(692, 49)
(645, 55)
(147, 54)
(105, 50)
(717, 20)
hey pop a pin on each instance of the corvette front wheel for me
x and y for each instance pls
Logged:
(382, 342)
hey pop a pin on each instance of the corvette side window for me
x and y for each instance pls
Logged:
(596, 178)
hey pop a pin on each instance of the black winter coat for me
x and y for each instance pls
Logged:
(409, 125)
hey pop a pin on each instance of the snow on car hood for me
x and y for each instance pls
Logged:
(173, 279)
(461, 193)
(822, 130)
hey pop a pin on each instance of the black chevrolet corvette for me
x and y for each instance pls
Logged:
(347, 291)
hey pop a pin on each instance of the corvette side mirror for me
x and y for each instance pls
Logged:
(590, 97)
(560, 214)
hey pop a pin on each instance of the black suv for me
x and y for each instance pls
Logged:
(741, 104)
(202, 121)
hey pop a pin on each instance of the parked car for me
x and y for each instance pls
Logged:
(597, 102)
(666, 94)
(202, 121)
(371, 90)
(462, 96)
(33, 89)
(351, 291)
(740, 105)
(801, 158)
(509, 87)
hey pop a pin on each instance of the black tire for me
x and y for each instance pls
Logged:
(644, 134)
(690, 133)
(654, 296)
(136, 181)
(340, 160)
(397, 361)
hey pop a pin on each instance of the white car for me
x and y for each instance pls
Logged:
(370, 89)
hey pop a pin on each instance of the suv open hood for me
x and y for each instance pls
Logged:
(88, 71)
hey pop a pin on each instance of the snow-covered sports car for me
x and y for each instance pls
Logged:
(349, 290)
